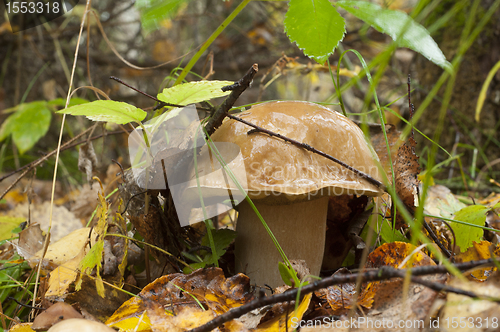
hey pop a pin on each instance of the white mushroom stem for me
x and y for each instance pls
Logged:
(299, 228)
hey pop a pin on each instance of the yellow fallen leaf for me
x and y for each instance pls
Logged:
(23, 327)
(479, 251)
(131, 316)
(66, 248)
(279, 324)
(63, 276)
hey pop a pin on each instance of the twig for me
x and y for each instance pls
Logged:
(68, 145)
(145, 94)
(160, 103)
(436, 240)
(221, 112)
(384, 273)
(236, 90)
(309, 148)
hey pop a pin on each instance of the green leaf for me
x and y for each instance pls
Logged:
(400, 27)
(389, 235)
(153, 12)
(6, 127)
(285, 273)
(194, 92)
(222, 239)
(27, 125)
(7, 225)
(465, 234)
(315, 26)
(108, 111)
(72, 102)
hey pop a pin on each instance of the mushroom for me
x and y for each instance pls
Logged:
(81, 325)
(53, 315)
(289, 185)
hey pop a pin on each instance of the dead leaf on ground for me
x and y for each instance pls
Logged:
(280, 323)
(384, 300)
(341, 297)
(406, 169)
(478, 251)
(393, 254)
(178, 292)
(30, 241)
(65, 249)
(22, 327)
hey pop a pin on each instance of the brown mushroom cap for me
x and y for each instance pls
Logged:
(273, 166)
(53, 315)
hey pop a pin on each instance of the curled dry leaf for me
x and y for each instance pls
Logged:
(406, 169)
(341, 297)
(209, 286)
(177, 292)
(30, 241)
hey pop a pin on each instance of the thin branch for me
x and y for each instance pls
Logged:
(309, 148)
(436, 240)
(68, 145)
(236, 90)
(160, 103)
(384, 273)
(35, 163)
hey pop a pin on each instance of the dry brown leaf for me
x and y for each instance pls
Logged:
(208, 285)
(92, 303)
(341, 297)
(481, 250)
(30, 241)
(406, 169)
(177, 293)
(393, 254)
